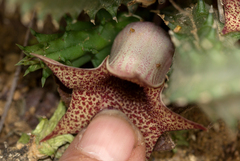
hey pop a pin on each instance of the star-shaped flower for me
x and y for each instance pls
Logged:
(131, 80)
(232, 16)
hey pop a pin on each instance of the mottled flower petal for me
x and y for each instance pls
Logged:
(96, 89)
(232, 16)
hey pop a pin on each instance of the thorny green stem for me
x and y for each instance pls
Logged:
(189, 14)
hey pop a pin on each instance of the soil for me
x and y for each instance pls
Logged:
(30, 101)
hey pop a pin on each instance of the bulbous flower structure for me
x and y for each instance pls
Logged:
(141, 53)
(131, 80)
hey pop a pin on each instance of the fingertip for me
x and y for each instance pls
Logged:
(109, 137)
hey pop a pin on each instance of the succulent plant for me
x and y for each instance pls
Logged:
(204, 69)
(57, 8)
(80, 43)
(130, 79)
(206, 62)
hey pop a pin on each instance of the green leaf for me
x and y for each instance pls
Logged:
(24, 139)
(45, 126)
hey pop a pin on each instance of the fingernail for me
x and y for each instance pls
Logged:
(108, 138)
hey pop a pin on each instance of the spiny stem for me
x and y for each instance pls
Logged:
(194, 32)
(189, 14)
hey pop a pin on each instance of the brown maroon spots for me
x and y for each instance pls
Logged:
(232, 18)
(96, 90)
